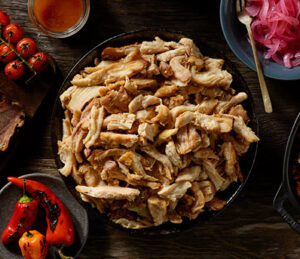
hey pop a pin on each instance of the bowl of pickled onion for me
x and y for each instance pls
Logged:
(276, 30)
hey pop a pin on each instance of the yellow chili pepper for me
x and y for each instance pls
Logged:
(33, 245)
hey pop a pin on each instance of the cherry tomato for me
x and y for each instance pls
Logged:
(6, 54)
(38, 61)
(26, 47)
(4, 19)
(14, 69)
(13, 32)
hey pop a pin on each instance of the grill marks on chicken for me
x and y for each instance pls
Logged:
(153, 132)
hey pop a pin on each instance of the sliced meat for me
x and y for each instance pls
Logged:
(213, 174)
(176, 101)
(224, 106)
(163, 159)
(114, 72)
(119, 121)
(168, 55)
(153, 47)
(75, 99)
(95, 125)
(184, 119)
(231, 161)
(241, 128)
(175, 112)
(180, 72)
(187, 139)
(141, 102)
(148, 131)
(190, 47)
(199, 199)
(165, 69)
(163, 115)
(145, 115)
(166, 135)
(117, 53)
(239, 111)
(142, 83)
(174, 191)
(158, 209)
(152, 69)
(212, 77)
(11, 117)
(91, 177)
(109, 192)
(166, 91)
(213, 123)
(116, 101)
(172, 154)
(208, 189)
(110, 139)
(66, 155)
(132, 160)
(215, 204)
(207, 106)
(189, 174)
(205, 153)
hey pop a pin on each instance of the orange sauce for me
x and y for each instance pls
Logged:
(58, 15)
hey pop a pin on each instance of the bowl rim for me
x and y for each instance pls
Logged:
(233, 195)
(241, 55)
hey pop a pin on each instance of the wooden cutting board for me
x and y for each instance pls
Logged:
(29, 93)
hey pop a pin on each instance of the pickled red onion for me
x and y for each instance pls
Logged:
(276, 28)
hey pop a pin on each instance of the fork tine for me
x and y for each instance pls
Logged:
(238, 7)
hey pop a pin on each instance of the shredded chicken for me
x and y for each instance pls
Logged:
(174, 191)
(109, 192)
(153, 133)
(141, 102)
(158, 210)
(119, 121)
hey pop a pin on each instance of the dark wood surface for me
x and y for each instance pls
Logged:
(249, 228)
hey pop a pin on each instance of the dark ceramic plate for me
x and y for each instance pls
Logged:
(239, 84)
(236, 36)
(9, 194)
(287, 189)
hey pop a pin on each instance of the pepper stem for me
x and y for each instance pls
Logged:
(24, 189)
(60, 253)
(25, 198)
(28, 233)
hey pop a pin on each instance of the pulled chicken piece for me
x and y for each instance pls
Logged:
(158, 209)
(109, 192)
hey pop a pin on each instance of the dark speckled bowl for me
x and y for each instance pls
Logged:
(236, 36)
(9, 195)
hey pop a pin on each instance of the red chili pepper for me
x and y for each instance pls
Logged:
(60, 226)
(25, 213)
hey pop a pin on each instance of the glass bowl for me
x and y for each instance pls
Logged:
(64, 34)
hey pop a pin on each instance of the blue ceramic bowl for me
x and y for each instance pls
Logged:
(236, 36)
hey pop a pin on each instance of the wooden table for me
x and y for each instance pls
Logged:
(249, 228)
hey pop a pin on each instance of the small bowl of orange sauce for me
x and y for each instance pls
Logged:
(59, 18)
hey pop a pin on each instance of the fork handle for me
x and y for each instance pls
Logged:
(261, 79)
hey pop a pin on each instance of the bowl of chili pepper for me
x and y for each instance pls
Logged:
(60, 219)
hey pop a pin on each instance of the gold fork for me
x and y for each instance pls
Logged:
(246, 19)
